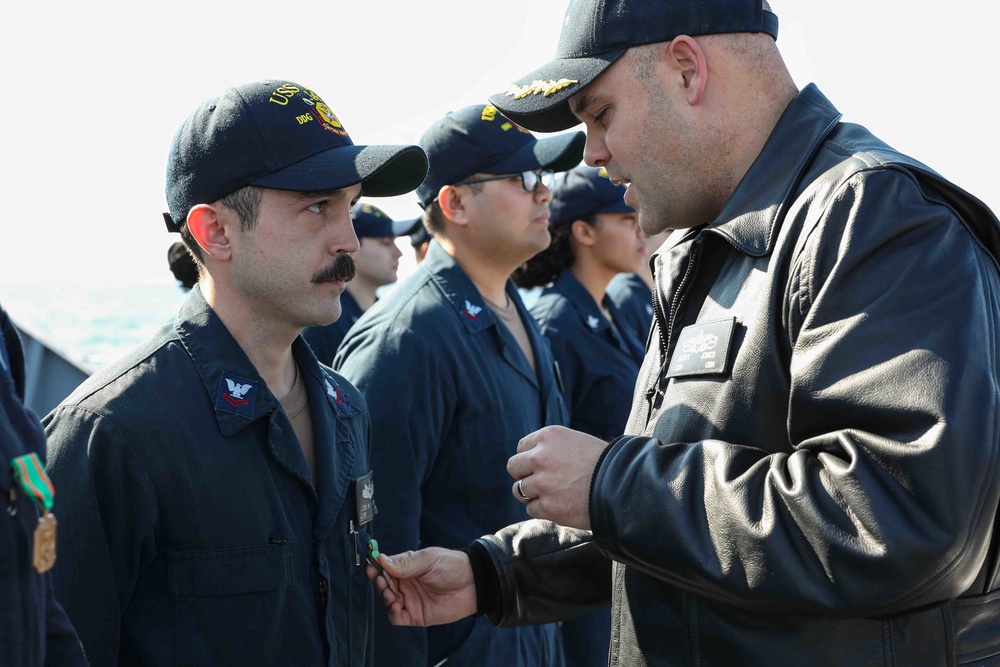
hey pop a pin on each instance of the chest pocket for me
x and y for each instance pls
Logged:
(352, 608)
(226, 603)
(486, 444)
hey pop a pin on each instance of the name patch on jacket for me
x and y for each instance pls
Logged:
(364, 496)
(702, 349)
(236, 395)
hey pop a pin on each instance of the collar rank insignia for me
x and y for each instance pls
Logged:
(538, 87)
(336, 395)
(593, 322)
(471, 311)
(236, 395)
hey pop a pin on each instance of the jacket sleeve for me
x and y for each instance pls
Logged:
(409, 402)
(107, 518)
(542, 572)
(883, 498)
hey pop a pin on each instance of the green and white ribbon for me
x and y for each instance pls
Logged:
(30, 475)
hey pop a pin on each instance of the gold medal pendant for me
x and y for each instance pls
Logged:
(45, 543)
(30, 475)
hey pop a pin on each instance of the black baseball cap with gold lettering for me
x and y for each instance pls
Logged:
(281, 135)
(596, 33)
(479, 139)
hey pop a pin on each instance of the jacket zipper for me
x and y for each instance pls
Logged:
(679, 295)
(656, 393)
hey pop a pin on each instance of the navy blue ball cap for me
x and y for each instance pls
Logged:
(281, 135)
(584, 191)
(596, 33)
(370, 222)
(480, 140)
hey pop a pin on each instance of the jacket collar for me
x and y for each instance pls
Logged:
(234, 386)
(582, 301)
(752, 216)
(589, 311)
(459, 290)
(471, 309)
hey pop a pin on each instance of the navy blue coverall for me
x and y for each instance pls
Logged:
(634, 300)
(450, 393)
(190, 530)
(34, 629)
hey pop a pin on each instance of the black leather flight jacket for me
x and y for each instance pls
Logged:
(823, 489)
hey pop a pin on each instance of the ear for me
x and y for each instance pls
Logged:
(453, 205)
(209, 231)
(688, 59)
(583, 233)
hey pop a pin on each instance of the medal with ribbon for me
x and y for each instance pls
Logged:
(30, 475)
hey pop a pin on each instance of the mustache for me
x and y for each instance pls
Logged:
(343, 268)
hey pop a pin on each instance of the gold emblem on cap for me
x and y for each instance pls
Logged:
(371, 210)
(538, 87)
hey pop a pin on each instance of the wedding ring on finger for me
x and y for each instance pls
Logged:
(520, 490)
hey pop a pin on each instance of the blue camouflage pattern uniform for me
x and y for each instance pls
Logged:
(190, 530)
(634, 300)
(34, 629)
(599, 363)
(325, 340)
(450, 393)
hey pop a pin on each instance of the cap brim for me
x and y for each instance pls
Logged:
(383, 171)
(558, 153)
(539, 101)
(406, 227)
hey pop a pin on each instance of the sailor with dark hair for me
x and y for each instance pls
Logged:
(34, 629)
(217, 493)
(456, 372)
(595, 236)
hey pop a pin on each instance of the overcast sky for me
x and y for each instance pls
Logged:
(96, 90)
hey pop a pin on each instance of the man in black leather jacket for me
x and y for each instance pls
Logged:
(811, 471)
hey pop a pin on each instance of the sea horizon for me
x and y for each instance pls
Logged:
(91, 325)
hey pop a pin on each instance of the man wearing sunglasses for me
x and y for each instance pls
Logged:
(456, 372)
